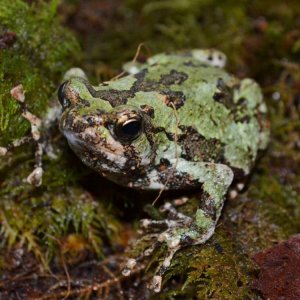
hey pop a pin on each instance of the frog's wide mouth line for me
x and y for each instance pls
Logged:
(72, 139)
(78, 145)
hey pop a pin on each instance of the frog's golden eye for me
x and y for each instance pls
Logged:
(128, 128)
(62, 97)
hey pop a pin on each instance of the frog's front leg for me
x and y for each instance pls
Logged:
(179, 230)
(35, 177)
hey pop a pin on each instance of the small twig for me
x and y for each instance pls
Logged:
(67, 275)
(89, 288)
(137, 53)
(35, 177)
(113, 277)
(63, 263)
(20, 277)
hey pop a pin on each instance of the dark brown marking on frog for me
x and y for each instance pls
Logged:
(133, 167)
(197, 147)
(70, 124)
(149, 110)
(84, 102)
(173, 179)
(176, 98)
(114, 97)
(164, 164)
(207, 205)
(170, 136)
(174, 77)
(95, 159)
(224, 94)
(92, 120)
(120, 97)
(72, 97)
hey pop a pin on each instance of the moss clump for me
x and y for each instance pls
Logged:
(37, 58)
(43, 219)
(216, 271)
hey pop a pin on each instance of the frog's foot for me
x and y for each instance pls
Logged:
(173, 244)
(176, 231)
(156, 281)
(35, 177)
(158, 239)
(175, 219)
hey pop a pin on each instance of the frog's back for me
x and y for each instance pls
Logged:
(215, 116)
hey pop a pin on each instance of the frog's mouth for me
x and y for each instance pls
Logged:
(100, 154)
(72, 139)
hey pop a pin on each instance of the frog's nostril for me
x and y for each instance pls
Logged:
(62, 97)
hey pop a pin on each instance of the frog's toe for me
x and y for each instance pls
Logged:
(133, 262)
(161, 226)
(156, 282)
(173, 214)
(169, 237)
(149, 225)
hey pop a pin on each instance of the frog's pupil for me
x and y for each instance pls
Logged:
(131, 128)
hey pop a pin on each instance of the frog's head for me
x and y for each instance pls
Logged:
(112, 139)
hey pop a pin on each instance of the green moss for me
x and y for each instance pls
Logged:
(37, 58)
(217, 271)
(40, 218)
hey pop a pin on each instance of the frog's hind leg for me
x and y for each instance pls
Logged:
(179, 234)
(179, 230)
(174, 219)
(35, 177)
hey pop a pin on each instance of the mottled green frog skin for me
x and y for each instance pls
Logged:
(194, 125)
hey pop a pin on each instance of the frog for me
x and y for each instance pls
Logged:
(177, 121)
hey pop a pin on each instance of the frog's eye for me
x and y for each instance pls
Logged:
(128, 128)
(62, 97)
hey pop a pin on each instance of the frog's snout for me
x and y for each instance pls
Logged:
(63, 100)
(68, 93)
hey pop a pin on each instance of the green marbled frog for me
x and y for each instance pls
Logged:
(175, 122)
